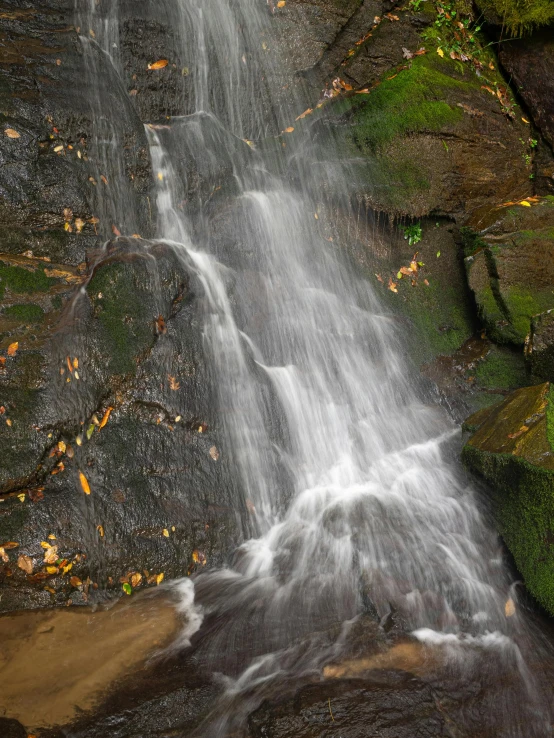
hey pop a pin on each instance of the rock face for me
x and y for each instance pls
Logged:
(530, 61)
(512, 447)
(539, 349)
(510, 266)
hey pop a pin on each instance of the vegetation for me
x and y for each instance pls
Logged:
(519, 16)
(23, 281)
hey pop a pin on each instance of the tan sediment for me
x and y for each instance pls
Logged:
(55, 664)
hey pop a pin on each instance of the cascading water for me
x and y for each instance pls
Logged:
(343, 461)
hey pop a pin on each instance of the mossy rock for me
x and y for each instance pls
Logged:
(428, 137)
(512, 447)
(539, 349)
(517, 16)
(510, 266)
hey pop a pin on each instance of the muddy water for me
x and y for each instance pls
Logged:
(58, 663)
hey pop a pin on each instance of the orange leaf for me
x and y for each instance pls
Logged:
(84, 483)
(106, 417)
(11, 133)
(290, 129)
(12, 348)
(116, 231)
(160, 64)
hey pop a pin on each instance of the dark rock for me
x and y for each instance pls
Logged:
(539, 349)
(11, 729)
(530, 63)
(512, 447)
(159, 488)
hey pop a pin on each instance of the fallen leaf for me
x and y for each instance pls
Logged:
(12, 348)
(52, 569)
(51, 537)
(440, 52)
(214, 453)
(406, 53)
(26, 563)
(44, 544)
(290, 129)
(160, 64)
(75, 581)
(380, 278)
(90, 431)
(523, 202)
(166, 532)
(20, 497)
(392, 285)
(104, 179)
(509, 608)
(525, 120)
(304, 114)
(160, 578)
(3, 555)
(10, 545)
(84, 483)
(281, 4)
(392, 17)
(126, 587)
(136, 579)
(160, 324)
(11, 133)
(105, 417)
(173, 383)
(116, 231)
(100, 530)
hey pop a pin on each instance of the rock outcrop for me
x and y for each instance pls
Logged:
(512, 447)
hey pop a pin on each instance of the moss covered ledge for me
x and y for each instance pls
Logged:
(512, 447)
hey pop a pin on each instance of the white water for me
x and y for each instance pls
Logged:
(343, 463)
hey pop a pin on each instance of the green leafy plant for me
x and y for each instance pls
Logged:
(413, 233)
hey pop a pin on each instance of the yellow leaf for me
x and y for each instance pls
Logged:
(45, 545)
(160, 578)
(10, 545)
(166, 532)
(160, 64)
(440, 52)
(281, 4)
(84, 483)
(20, 497)
(525, 203)
(67, 568)
(11, 133)
(525, 120)
(100, 530)
(52, 569)
(12, 348)
(51, 537)
(509, 608)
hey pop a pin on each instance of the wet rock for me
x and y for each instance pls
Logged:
(45, 180)
(387, 704)
(120, 394)
(510, 267)
(512, 447)
(539, 349)
(12, 728)
(530, 63)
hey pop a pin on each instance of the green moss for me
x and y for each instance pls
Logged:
(520, 15)
(26, 312)
(411, 102)
(525, 511)
(23, 281)
(522, 305)
(124, 324)
(502, 369)
(550, 417)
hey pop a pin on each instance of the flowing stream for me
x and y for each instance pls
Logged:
(345, 463)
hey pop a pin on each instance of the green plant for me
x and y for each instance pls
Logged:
(413, 233)
(416, 5)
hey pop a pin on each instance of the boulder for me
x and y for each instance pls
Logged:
(113, 469)
(510, 266)
(512, 447)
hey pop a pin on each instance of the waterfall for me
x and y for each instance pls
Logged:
(346, 464)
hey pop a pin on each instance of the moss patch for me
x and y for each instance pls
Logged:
(519, 15)
(411, 102)
(125, 326)
(23, 281)
(26, 312)
(550, 417)
(502, 369)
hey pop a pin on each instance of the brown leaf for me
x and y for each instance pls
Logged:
(12, 348)
(304, 114)
(11, 133)
(116, 231)
(136, 579)
(9, 545)
(173, 383)
(26, 563)
(392, 285)
(100, 530)
(214, 453)
(160, 64)
(160, 324)
(75, 582)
